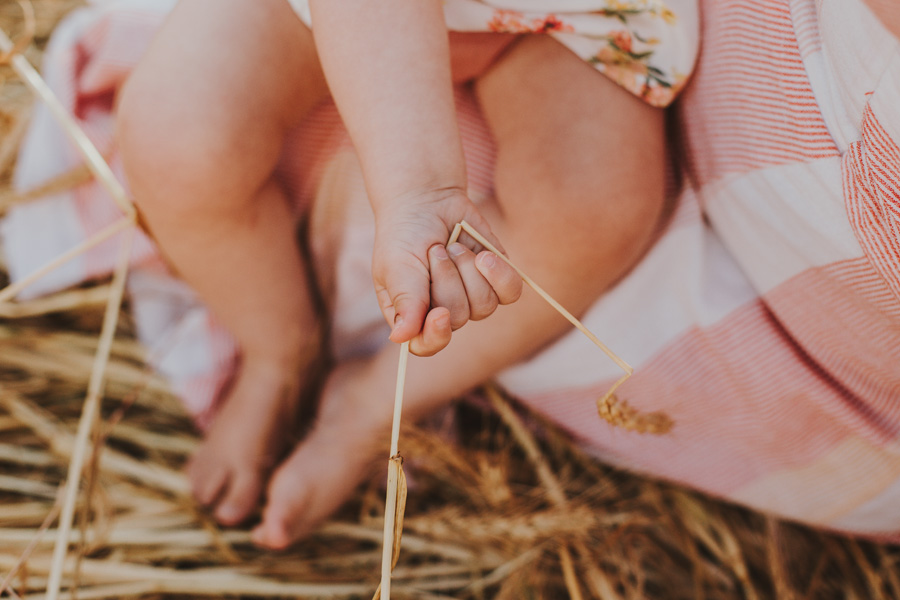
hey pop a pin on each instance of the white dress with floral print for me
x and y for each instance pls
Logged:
(646, 46)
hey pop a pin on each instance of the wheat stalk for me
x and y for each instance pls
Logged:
(104, 175)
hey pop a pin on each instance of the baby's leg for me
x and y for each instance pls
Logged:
(570, 141)
(580, 177)
(201, 124)
(580, 172)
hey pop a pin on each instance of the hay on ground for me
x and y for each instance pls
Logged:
(494, 510)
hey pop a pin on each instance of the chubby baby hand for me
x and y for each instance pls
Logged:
(425, 289)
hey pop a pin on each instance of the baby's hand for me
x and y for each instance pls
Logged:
(426, 290)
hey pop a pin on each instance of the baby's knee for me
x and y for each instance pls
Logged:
(614, 211)
(181, 151)
(158, 144)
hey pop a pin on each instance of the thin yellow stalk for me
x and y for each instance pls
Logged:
(208, 581)
(392, 522)
(92, 156)
(437, 570)
(32, 545)
(38, 420)
(63, 301)
(554, 488)
(11, 453)
(8, 423)
(552, 302)
(610, 408)
(10, 291)
(13, 594)
(395, 469)
(393, 483)
(398, 399)
(873, 579)
(24, 514)
(889, 568)
(412, 543)
(192, 538)
(74, 177)
(74, 365)
(89, 412)
(26, 487)
(101, 592)
(27, 34)
(504, 570)
(168, 442)
(61, 442)
(11, 141)
(125, 348)
(569, 576)
(528, 444)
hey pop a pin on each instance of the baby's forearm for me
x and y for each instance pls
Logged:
(515, 332)
(387, 64)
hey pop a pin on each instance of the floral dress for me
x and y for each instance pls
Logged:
(646, 46)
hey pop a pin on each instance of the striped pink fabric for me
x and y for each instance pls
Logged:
(646, 46)
(765, 321)
(786, 398)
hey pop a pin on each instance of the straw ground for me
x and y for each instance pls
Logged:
(494, 512)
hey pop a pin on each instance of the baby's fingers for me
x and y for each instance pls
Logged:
(503, 279)
(480, 299)
(470, 287)
(435, 333)
(403, 295)
(447, 288)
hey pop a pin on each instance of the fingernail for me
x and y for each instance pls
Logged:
(488, 260)
(456, 249)
(398, 322)
(443, 321)
(439, 252)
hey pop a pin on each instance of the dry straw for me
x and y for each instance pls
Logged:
(102, 172)
(488, 521)
(614, 411)
(396, 488)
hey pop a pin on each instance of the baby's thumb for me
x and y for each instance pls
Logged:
(409, 316)
(405, 309)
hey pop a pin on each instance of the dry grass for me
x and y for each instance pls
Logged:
(494, 512)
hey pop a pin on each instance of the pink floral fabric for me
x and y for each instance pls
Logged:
(646, 46)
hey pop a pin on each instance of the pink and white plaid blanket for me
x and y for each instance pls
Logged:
(765, 321)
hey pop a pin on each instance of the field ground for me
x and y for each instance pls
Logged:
(485, 516)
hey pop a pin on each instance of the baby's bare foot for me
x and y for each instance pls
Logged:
(308, 487)
(252, 429)
(326, 466)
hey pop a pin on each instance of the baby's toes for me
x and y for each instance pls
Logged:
(273, 532)
(288, 514)
(207, 479)
(307, 488)
(240, 497)
(225, 485)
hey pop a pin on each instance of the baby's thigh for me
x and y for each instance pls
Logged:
(579, 159)
(228, 63)
(558, 113)
(472, 53)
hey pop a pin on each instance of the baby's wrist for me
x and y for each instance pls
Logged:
(430, 194)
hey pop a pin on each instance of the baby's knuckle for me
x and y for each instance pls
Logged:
(484, 306)
(459, 315)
